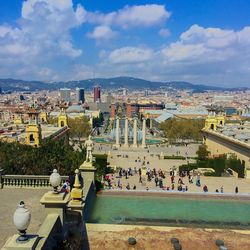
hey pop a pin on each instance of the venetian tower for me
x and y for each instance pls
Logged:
(43, 117)
(62, 118)
(18, 119)
(211, 120)
(220, 117)
(33, 132)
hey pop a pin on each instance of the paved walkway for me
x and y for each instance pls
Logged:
(212, 183)
(10, 198)
(127, 157)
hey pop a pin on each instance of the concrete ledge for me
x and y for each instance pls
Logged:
(120, 228)
(177, 194)
(48, 231)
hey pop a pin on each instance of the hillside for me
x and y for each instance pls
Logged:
(106, 83)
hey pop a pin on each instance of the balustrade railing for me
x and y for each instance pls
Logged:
(36, 181)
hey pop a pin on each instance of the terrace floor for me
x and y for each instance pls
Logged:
(10, 198)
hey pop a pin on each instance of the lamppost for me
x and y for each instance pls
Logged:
(55, 180)
(21, 220)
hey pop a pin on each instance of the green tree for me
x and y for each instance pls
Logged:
(79, 127)
(177, 129)
(235, 164)
(202, 152)
(16, 158)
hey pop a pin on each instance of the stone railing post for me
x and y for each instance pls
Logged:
(1, 179)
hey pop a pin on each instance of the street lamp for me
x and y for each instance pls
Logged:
(21, 220)
(55, 180)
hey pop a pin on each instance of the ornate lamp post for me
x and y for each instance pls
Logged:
(55, 180)
(21, 220)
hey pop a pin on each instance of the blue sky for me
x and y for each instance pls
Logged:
(203, 42)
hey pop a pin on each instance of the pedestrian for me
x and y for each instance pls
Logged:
(236, 190)
(66, 187)
(156, 181)
(221, 189)
(140, 179)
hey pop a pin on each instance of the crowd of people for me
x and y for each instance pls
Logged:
(172, 180)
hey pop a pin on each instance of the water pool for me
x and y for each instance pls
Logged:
(107, 140)
(169, 211)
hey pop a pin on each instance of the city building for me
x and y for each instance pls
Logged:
(97, 94)
(80, 95)
(65, 95)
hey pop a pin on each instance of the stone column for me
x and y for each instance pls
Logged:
(150, 123)
(143, 144)
(135, 134)
(117, 138)
(126, 133)
(56, 203)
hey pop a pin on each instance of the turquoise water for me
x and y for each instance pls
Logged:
(106, 140)
(145, 210)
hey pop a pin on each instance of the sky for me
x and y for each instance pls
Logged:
(202, 42)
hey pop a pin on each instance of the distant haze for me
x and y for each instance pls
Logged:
(108, 83)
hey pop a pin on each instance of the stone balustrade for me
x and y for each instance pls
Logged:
(29, 181)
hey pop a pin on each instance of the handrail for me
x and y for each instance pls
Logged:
(34, 181)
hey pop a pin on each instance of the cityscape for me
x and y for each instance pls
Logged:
(124, 125)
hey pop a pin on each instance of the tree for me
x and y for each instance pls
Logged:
(16, 158)
(236, 165)
(79, 127)
(98, 121)
(182, 129)
(202, 152)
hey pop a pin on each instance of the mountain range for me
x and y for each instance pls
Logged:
(130, 83)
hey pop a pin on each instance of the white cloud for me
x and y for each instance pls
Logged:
(199, 44)
(42, 37)
(164, 32)
(102, 32)
(145, 15)
(200, 55)
(130, 16)
(130, 55)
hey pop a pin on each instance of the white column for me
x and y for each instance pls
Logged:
(126, 133)
(150, 123)
(143, 144)
(117, 137)
(135, 133)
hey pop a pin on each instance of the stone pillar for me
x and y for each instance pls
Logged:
(117, 137)
(56, 203)
(126, 133)
(1, 178)
(143, 144)
(112, 113)
(150, 123)
(135, 134)
(91, 121)
(76, 203)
